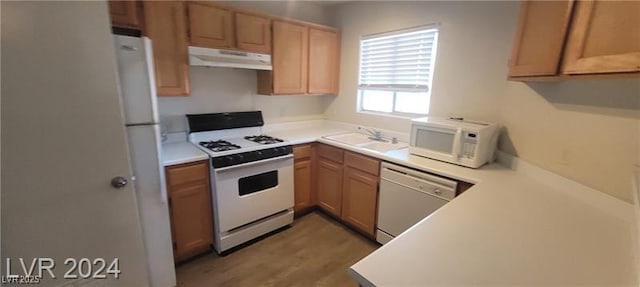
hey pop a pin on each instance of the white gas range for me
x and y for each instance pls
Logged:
(251, 175)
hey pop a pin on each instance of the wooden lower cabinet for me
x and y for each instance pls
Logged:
(190, 208)
(360, 199)
(347, 186)
(303, 177)
(330, 186)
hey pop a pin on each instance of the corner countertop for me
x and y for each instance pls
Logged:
(181, 152)
(513, 227)
(518, 225)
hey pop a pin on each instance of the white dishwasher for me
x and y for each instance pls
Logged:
(408, 196)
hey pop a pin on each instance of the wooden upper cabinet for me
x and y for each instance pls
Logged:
(165, 24)
(604, 38)
(253, 33)
(125, 14)
(210, 26)
(538, 43)
(290, 58)
(324, 61)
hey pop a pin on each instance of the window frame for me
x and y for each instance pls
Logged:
(360, 91)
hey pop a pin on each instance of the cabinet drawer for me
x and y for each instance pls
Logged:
(332, 153)
(185, 173)
(302, 151)
(362, 163)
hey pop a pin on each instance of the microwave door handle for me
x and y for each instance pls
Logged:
(456, 144)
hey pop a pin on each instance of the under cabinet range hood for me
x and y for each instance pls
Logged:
(230, 59)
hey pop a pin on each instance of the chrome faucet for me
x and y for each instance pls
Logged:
(375, 135)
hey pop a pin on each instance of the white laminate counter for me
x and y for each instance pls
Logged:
(521, 226)
(513, 227)
(181, 152)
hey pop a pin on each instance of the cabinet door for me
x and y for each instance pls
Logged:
(330, 186)
(253, 33)
(125, 14)
(302, 184)
(360, 199)
(165, 24)
(537, 47)
(290, 58)
(191, 218)
(604, 38)
(210, 26)
(324, 57)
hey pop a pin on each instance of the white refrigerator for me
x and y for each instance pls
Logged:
(138, 97)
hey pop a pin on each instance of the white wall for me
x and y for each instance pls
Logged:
(228, 90)
(232, 90)
(583, 130)
(471, 61)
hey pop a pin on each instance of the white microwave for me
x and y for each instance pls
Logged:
(460, 142)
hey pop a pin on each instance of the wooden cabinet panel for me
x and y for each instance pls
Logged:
(253, 33)
(604, 38)
(191, 218)
(360, 199)
(537, 47)
(186, 173)
(329, 175)
(333, 153)
(290, 58)
(165, 24)
(190, 208)
(302, 151)
(324, 58)
(302, 185)
(125, 14)
(210, 26)
(362, 163)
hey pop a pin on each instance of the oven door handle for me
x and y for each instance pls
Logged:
(258, 162)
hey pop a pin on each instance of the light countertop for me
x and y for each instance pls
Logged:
(516, 226)
(513, 227)
(181, 152)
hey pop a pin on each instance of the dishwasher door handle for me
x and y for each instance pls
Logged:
(421, 190)
(440, 182)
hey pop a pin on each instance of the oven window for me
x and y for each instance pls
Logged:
(258, 182)
(435, 140)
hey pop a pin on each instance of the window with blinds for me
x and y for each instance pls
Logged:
(396, 70)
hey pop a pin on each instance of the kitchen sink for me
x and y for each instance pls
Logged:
(363, 141)
(382, 146)
(350, 138)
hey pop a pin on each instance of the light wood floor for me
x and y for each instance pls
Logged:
(315, 251)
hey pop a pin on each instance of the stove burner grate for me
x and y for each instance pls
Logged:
(219, 145)
(263, 139)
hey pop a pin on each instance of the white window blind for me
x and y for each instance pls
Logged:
(396, 70)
